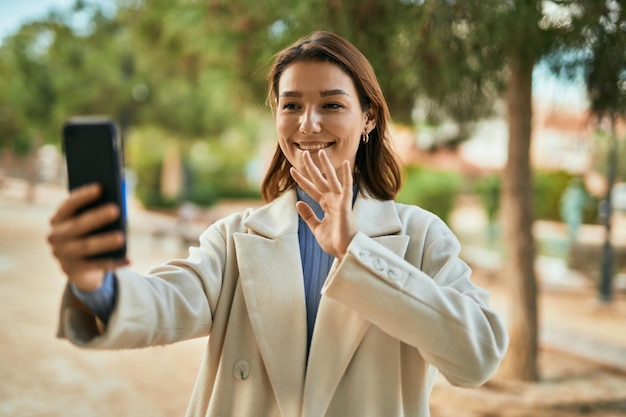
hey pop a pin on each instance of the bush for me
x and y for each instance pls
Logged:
(144, 152)
(488, 190)
(433, 190)
(212, 169)
(217, 171)
(548, 188)
(205, 189)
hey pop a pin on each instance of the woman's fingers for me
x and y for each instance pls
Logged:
(307, 214)
(66, 224)
(75, 257)
(74, 243)
(317, 180)
(78, 198)
(330, 175)
(322, 175)
(313, 171)
(84, 223)
(89, 246)
(347, 180)
(310, 179)
(72, 238)
(304, 183)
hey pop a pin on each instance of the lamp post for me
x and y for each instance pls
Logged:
(606, 268)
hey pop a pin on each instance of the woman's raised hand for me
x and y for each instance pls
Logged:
(72, 244)
(335, 231)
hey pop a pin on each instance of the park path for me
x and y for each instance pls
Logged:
(43, 376)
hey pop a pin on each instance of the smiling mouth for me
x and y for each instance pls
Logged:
(312, 146)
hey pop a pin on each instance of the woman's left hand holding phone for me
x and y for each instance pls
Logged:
(73, 243)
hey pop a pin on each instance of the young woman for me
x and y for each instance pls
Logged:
(331, 300)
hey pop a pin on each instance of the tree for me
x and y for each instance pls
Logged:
(523, 44)
(600, 55)
(52, 72)
(29, 93)
(605, 76)
(502, 42)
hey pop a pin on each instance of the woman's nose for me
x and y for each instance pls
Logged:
(310, 122)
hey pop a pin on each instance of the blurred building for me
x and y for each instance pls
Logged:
(563, 134)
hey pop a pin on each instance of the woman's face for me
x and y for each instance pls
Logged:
(318, 108)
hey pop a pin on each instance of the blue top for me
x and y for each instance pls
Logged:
(102, 300)
(315, 267)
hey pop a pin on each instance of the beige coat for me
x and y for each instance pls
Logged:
(399, 307)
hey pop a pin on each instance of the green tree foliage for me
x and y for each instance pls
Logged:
(51, 73)
(169, 56)
(433, 190)
(27, 89)
(189, 67)
(601, 148)
(599, 55)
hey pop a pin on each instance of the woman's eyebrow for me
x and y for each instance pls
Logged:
(335, 92)
(326, 93)
(290, 94)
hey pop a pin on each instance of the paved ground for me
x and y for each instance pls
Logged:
(44, 376)
(583, 346)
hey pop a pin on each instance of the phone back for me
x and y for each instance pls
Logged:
(94, 153)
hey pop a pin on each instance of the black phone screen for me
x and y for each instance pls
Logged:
(94, 153)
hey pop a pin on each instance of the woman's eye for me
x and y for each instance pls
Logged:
(289, 106)
(333, 106)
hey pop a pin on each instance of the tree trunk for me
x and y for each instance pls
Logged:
(520, 362)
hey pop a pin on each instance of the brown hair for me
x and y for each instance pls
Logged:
(376, 166)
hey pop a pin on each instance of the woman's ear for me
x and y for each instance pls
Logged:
(370, 121)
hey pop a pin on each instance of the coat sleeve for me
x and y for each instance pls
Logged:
(175, 301)
(425, 300)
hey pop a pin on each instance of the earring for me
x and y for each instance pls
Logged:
(365, 137)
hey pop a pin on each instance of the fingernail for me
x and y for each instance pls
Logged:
(114, 211)
(91, 188)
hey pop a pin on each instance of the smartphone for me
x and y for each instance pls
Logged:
(94, 153)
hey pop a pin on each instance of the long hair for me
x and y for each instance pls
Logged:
(376, 166)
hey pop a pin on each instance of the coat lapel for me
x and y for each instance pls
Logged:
(272, 282)
(339, 330)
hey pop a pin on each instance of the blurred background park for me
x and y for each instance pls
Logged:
(509, 118)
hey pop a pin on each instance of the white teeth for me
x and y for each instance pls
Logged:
(313, 147)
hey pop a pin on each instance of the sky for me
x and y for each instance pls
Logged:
(13, 13)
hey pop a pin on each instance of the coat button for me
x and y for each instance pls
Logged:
(380, 264)
(365, 255)
(394, 273)
(242, 370)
